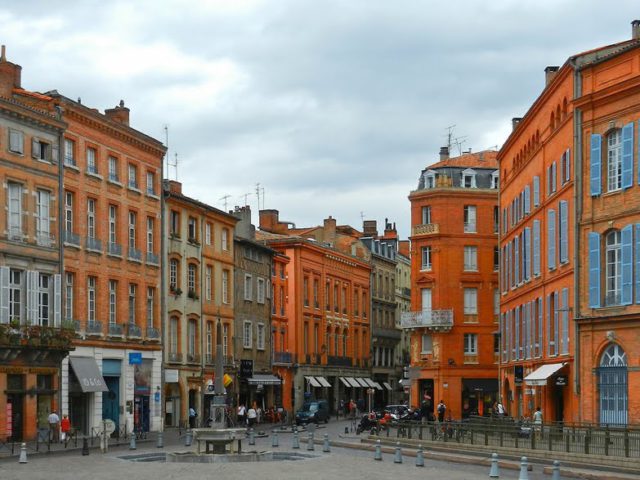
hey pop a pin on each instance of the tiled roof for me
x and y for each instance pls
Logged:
(484, 159)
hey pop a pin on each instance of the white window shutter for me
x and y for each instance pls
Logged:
(35, 148)
(32, 297)
(55, 153)
(57, 299)
(4, 295)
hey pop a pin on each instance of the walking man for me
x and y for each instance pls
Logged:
(54, 422)
(442, 409)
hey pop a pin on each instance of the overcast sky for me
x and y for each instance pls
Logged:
(334, 107)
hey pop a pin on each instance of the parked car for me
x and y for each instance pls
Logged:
(397, 411)
(315, 411)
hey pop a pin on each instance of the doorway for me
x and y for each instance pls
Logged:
(141, 413)
(111, 401)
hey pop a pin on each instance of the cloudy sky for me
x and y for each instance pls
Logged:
(334, 107)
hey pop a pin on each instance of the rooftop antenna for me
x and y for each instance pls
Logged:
(450, 129)
(362, 216)
(166, 143)
(459, 141)
(224, 199)
(257, 194)
(174, 164)
(246, 195)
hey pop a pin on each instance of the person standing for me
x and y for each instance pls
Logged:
(252, 415)
(54, 421)
(442, 409)
(537, 422)
(65, 428)
(242, 412)
(192, 417)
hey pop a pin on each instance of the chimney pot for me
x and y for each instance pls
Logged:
(514, 122)
(3, 56)
(549, 74)
(444, 153)
(635, 30)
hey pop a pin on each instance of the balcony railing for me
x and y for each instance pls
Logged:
(425, 229)
(94, 328)
(175, 357)
(193, 358)
(135, 255)
(470, 228)
(286, 358)
(339, 361)
(15, 233)
(45, 239)
(134, 331)
(153, 333)
(437, 320)
(71, 238)
(209, 359)
(115, 330)
(613, 299)
(153, 259)
(114, 249)
(93, 244)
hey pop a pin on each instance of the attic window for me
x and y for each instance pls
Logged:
(468, 178)
(494, 180)
(430, 179)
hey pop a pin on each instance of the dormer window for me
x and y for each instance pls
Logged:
(494, 180)
(430, 179)
(468, 179)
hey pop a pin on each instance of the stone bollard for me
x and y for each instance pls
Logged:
(188, 438)
(252, 437)
(23, 453)
(555, 471)
(397, 458)
(160, 443)
(310, 444)
(326, 448)
(274, 440)
(85, 446)
(296, 441)
(495, 468)
(524, 466)
(420, 457)
(378, 454)
(132, 442)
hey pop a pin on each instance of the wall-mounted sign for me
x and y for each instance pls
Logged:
(562, 380)
(518, 374)
(135, 358)
(246, 368)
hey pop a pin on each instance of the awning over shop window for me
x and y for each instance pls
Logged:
(387, 386)
(369, 382)
(264, 379)
(88, 374)
(362, 382)
(345, 382)
(539, 376)
(313, 381)
(377, 385)
(323, 381)
(353, 382)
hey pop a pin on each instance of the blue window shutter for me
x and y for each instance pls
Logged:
(627, 155)
(595, 169)
(564, 231)
(551, 239)
(517, 333)
(527, 200)
(556, 329)
(536, 191)
(564, 342)
(567, 165)
(549, 181)
(548, 323)
(516, 259)
(594, 270)
(637, 243)
(540, 327)
(554, 177)
(627, 264)
(527, 246)
(536, 247)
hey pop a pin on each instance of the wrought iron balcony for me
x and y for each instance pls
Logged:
(425, 229)
(114, 249)
(135, 255)
(209, 359)
(153, 259)
(45, 239)
(94, 328)
(286, 358)
(153, 333)
(174, 357)
(133, 331)
(436, 320)
(93, 244)
(71, 238)
(339, 361)
(115, 330)
(193, 358)
(613, 299)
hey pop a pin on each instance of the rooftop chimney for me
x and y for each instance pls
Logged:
(119, 114)
(10, 75)
(174, 186)
(635, 30)
(444, 153)
(330, 230)
(515, 121)
(549, 74)
(370, 228)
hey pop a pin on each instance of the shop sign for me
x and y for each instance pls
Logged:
(135, 358)
(518, 374)
(246, 368)
(171, 376)
(562, 380)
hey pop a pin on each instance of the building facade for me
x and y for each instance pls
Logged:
(454, 265)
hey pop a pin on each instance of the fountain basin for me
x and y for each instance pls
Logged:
(191, 457)
(215, 440)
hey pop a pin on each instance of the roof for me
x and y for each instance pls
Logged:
(600, 54)
(198, 203)
(483, 159)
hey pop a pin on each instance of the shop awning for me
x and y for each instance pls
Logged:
(88, 374)
(323, 381)
(345, 382)
(377, 385)
(369, 382)
(353, 382)
(362, 382)
(539, 376)
(313, 381)
(264, 379)
(387, 386)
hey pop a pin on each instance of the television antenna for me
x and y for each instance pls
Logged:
(224, 199)
(174, 164)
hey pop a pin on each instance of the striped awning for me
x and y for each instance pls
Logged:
(313, 381)
(362, 382)
(345, 382)
(387, 386)
(353, 382)
(323, 381)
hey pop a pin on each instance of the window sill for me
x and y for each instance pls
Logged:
(72, 166)
(115, 183)
(71, 245)
(153, 195)
(94, 251)
(114, 255)
(134, 189)
(95, 176)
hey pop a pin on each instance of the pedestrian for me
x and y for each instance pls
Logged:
(54, 421)
(441, 409)
(340, 408)
(259, 415)
(242, 412)
(537, 422)
(65, 428)
(192, 417)
(500, 410)
(352, 409)
(252, 415)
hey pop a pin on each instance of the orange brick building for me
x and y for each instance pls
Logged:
(323, 319)
(454, 279)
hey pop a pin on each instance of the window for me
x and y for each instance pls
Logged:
(91, 299)
(225, 339)
(343, 300)
(426, 258)
(614, 161)
(248, 287)
(496, 219)
(426, 215)
(470, 344)
(43, 220)
(16, 141)
(132, 302)
(563, 231)
(336, 300)
(15, 295)
(91, 218)
(225, 286)
(247, 331)
(468, 179)
(151, 295)
(316, 287)
(191, 279)
(41, 150)
(113, 214)
(260, 336)
(494, 180)
(207, 233)
(613, 268)
(14, 214)
(470, 301)
(536, 191)
(113, 302)
(209, 342)
(69, 152)
(427, 344)
(471, 258)
(68, 211)
(469, 219)
(68, 295)
(192, 229)
(207, 282)
(430, 179)
(175, 223)
(364, 304)
(44, 300)
(496, 259)
(327, 299)
(132, 230)
(260, 293)
(151, 183)
(113, 169)
(173, 274)
(225, 239)
(173, 335)
(92, 165)
(565, 166)
(133, 176)
(496, 301)
(191, 340)
(150, 225)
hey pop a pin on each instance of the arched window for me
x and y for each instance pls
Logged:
(614, 161)
(613, 281)
(612, 386)
(552, 122)
(336, 344)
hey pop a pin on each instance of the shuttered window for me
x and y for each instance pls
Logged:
(594, 270)
(627, 155)
(595, 165)
(551, 239)
(627, 265)
(536, 247)
(564, 342)
(563, 212)
(536, 191)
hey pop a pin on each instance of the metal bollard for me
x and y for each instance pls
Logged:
(274, 440)
(495, 468)
(397, 458)
(346, 430)
(23, 453)
(188, 438)
(310, 444)
(85, 446)
(555, 473)
(160, 443)
(420, 457)
(252, 437)
(524, 466)
(132, 442)
(326, 448)
(378, 454)
(296, 441)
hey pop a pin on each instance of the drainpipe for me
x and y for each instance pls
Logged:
(500, 287)
(60, 241)
(163, 300)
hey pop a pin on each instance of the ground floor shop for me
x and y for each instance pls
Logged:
(120, 385)
(388, 395)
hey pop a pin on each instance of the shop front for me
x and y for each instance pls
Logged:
(142, 395)
(111, 372)
(85, 381)
(478, 396)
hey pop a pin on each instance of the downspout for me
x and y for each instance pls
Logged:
(500, 287)
(577, 200)
(60, 241)
(163, 300)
